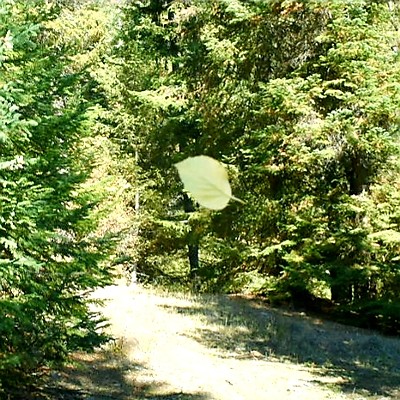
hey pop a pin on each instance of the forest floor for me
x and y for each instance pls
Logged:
(182, 347)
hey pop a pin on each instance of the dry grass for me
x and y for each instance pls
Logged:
(171, 346)
(352, 360)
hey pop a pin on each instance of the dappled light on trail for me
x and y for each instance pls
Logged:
(179, 346)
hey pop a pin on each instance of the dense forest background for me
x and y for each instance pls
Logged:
(99, 100)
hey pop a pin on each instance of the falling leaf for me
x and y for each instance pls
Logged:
(207, 180)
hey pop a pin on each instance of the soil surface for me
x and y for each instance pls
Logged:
(170, 347)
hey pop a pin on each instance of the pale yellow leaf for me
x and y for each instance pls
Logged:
(207, 180)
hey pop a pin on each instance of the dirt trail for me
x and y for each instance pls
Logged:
(172, 362)
(166, 349)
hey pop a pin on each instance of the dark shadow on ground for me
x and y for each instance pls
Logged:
(366, 362)
(178, 396)
(105, 375)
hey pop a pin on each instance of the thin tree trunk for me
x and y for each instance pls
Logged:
(192, 240)
(133, 268)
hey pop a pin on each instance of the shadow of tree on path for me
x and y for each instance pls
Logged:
(361, 361)
(178, 396)
(106, 375)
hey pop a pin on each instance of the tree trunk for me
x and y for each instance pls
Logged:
(341, 289)
(192, 240)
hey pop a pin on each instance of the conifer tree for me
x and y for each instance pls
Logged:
(50, 258)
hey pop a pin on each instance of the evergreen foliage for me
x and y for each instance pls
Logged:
(50, 257)
(301, 100)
